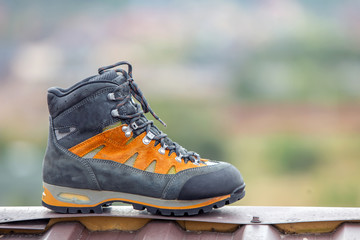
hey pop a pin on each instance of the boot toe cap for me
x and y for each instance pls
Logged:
(218, 183)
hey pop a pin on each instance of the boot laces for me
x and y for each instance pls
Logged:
(152, 132)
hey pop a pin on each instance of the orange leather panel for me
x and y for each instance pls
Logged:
(115, 149)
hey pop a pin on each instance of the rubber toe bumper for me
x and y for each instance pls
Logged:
(218, 183)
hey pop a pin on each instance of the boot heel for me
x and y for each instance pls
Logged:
(69, 202)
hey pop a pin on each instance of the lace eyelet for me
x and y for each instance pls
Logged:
(147, 139)
(115, 113)
(162, 149)
(178, 158)
(124, 128)
(196, 162)
(134, 126)
(127, 130)
(111, 96)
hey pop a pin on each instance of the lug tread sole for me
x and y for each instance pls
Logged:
(235, 196)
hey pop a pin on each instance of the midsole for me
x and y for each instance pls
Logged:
(75, 197)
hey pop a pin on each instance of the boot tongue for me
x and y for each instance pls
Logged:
(119, 79)
(129, 107)
(110, 76)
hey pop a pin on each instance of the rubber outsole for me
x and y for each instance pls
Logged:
(235, 196)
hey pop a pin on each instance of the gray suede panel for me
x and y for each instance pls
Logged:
(60, 99)
(90, 116)
(114, 176)
(63, 168)
(84, 107)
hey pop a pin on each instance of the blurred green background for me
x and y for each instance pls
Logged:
(271, 86)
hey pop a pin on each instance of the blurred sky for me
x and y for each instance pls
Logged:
(247, 68)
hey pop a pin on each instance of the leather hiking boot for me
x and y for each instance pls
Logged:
(102, 149)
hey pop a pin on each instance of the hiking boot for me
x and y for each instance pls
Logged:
(102, 149)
